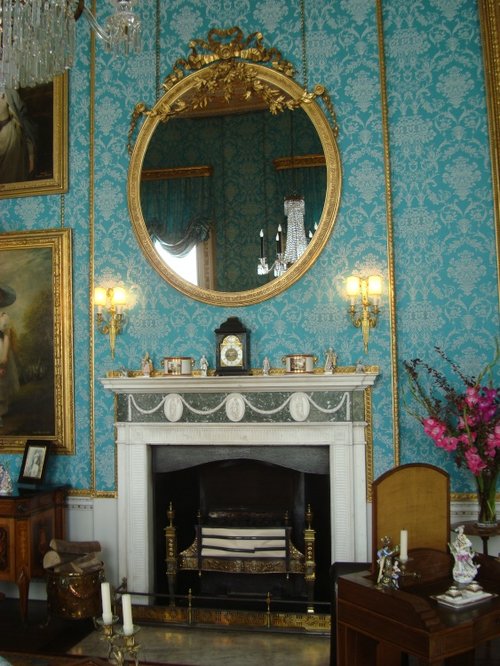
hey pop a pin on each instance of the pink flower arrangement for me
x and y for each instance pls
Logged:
(464, 422)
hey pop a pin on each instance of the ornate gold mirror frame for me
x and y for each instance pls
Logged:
(228, 66)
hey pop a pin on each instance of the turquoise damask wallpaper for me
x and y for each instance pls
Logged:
(442, 237)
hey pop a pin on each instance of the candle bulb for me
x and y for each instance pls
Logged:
(262, 243)
(277, 243)
(107, 615)
(128, 626)
(403, 546)
(280, 231)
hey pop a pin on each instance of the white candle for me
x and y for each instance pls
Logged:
(128, 627)
(107, 615)
(403, 546)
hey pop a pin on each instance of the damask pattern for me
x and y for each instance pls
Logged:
(446, 285)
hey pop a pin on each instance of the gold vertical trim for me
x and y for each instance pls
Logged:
(390, 235)
(303, 35)
(369, 442)
(62, 209)
(158, 89)
(91, 253)
(489, 17)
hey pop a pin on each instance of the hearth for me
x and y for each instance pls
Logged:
(246, 493)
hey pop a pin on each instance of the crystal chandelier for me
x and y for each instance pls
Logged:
(37, 37)
(296, 241)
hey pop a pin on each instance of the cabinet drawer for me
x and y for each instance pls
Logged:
(488, 627)
(7, 549)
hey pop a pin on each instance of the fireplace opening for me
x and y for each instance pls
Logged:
(249, 493)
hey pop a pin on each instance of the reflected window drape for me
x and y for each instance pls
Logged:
(177, 212)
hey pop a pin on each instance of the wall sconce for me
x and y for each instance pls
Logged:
(365, 300)
(113, 300)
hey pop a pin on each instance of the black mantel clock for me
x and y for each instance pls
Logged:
(232, 348)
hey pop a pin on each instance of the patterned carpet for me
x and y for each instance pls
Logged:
(18, 659)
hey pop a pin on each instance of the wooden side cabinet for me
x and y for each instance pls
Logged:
(29, 519)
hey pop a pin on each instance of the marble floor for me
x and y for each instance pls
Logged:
(214, 647)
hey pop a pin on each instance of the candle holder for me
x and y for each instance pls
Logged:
(404, 573)
(262, 266)
(120, 645)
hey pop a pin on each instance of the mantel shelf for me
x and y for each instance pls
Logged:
(339, 381)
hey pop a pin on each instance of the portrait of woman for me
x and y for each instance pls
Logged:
(17, 139)
(9, 380)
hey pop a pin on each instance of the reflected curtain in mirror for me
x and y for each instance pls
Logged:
(179, 212)
(247, 166)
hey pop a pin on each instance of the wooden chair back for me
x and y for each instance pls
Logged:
(414, 497)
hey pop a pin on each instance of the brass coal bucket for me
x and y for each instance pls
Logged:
(75, 595)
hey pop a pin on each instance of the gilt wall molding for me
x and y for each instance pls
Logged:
(489, 14)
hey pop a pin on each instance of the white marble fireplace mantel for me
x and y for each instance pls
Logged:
(307, 410)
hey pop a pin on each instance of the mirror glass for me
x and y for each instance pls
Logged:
(215, 189)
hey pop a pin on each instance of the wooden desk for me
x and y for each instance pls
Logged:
(29, 519)
(375, 627)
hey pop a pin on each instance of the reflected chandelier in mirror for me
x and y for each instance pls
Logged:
(235, 172)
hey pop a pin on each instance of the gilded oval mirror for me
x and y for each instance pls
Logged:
(234, 179)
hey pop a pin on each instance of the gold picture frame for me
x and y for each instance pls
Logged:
(46, 107)
(36, 330)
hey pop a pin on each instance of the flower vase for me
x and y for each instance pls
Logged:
(486, 496)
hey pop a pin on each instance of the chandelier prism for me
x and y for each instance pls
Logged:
(37, 37)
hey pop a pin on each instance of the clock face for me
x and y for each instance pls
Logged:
(231, 351)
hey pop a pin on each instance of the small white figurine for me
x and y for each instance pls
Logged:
(147, 365)
(5, 481)
(266, 366)
(359, 366)
(203, 366)
(464, 569)
(330, 361)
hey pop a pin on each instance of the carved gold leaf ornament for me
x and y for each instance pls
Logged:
(233, 76)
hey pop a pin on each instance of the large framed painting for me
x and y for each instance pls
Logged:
(36, 340)
(34, 139)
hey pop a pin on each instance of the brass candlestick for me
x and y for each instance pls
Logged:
(120, 645)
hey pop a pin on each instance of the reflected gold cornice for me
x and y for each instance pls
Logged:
(390, 237)
(299, 162)
(177, 172)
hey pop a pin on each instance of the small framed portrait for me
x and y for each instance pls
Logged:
(34, 462)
